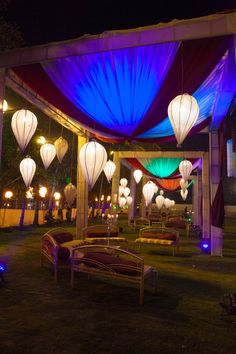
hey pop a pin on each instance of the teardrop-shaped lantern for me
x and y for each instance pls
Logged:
(121, 190)
(47, 153)
(167, 203)
(109, 170)
(123, 182)
(148, 192)
(160, 201)
(126, 192)
(161, 192)
(61, 146)
(122, 202)
(23, 124)
(138, 174)
(184, 194)
(129, 200)
(183, 184)
(93, 158)
(70, 193)
(155, 188)
(185, 169)
(183, 112)
(172, 203)
(27, 170)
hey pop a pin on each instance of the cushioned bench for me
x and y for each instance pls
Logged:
(56, 247)
(158, 236)
(99, 234)
(141, 222)
(177, 222)
(111, 262)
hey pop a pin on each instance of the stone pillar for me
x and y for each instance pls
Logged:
(115, 181)
(143, 202)
(132, 207)
(205, 196)
(197, 200)
(82, 194)
(216, 232)
(2, 95)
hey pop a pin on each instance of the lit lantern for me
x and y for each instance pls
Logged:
(47, 153)
(172, 203)
(27, 170)
(8, 195)
(185, 169)
(155, 188)
(184, 194)
(43, 192)
(161, 192)
(61, 146)
(122, 202)
(183, 184)
(109, 170)
(167, 203)
(93, 158)
(148, 192)
(123, 182)
(4, 106)
(23, 124)
(160, 201)
(138, 174)
(126, 192)
(70, 193)
(183, 112)
(129, 200)
(57, 196)
(121, 190)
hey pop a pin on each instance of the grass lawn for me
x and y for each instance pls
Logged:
(40, 316)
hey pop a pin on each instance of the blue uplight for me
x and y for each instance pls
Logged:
(205, 245)
(2, 269)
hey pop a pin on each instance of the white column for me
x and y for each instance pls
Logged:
(132, 207)
(143, 202)
(205, 196)
(2, 95)
(197, 200)
(216, 232)
(82, 194)
(115, 182)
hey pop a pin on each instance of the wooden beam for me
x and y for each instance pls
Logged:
(155, 154)
(176, 30)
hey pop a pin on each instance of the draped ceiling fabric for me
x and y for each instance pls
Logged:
(123, 94)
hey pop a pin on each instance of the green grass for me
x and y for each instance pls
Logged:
(39, 316)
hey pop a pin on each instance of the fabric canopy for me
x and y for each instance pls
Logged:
(124, 94)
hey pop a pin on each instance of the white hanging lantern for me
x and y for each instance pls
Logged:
(4, 106)
(161, 192)
(121, 190)
(129, 200)
(47, 153)
(138, 174)
(185, 169)
(27, 170)
(93, 158)
(122, 202)
(126, 192)
(172, 203)
(160, 201)
(184, 194)
(183, 112)
(70, 192)
(123, 182)
(155, 188)
(148, 192)
(61, 146)
(23, 124)
(183, 184)
(109, 170)
(167, 203)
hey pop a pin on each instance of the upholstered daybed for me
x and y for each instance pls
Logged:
(101, 234)
(177, 222)
(111, 262)
(158, 236)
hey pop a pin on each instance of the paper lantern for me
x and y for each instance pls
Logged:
(155, 188)
(43, 192)
(183, 184)
(185, 169)
(123, 182)
(167, 203)
(122, 202)
(172, 203)
(160, 201)
(70, 192)
(161, 192)
(121, 190)
(93, 158)
(47, 153)
(129, 200)
(61, 146)
(184, 194)
(109, 170)
(137, 175)
(148, 192)
(183, 112)
(27, 170)
(23, 124)
(126, 192)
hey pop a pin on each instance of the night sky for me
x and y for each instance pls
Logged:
(47, 21)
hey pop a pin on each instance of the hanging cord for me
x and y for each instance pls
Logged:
(72, 157)
(49, 127)
(62, 129)
(182, 67)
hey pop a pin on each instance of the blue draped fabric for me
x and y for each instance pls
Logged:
(205, 95)
(161, 167)
(114, 88)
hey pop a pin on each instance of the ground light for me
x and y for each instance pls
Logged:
(205, 245)
(2, 270)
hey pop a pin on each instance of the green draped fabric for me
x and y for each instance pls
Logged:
(161, 167)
